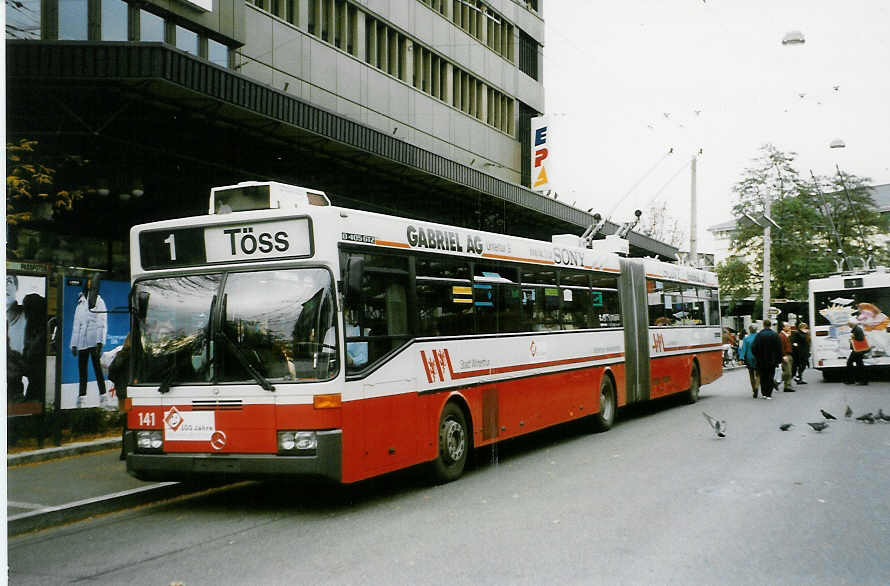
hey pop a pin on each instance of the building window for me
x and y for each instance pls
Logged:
(114, 20)
(186, 40)
(217, 53)
(73, 19)
(283, 9)
(528, 55)
(23, 19)
(439, 6)
(481, 22)
(151, 27)
(336, 22)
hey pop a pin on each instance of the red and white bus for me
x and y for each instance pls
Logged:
(307, 339)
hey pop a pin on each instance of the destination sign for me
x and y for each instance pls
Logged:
(225, 243)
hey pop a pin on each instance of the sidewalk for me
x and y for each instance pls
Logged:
(59, 485)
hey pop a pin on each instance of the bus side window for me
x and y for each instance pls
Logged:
(574, 288)
(604, 300)
(540, 299)
(693, 307)
(444, 297)
(377, 322)
(665, 303)
(712, 305)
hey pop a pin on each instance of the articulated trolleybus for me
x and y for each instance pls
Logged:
(862, 295)
(309, 340)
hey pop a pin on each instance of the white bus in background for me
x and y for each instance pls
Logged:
(833, 300)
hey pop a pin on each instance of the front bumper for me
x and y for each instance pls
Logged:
(326, 463)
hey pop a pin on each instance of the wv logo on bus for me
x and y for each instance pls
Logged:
(657, 342)
(436, 365)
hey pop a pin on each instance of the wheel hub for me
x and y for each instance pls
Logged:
(454, 442)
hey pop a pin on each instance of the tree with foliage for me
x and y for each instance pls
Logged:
(31, 190)
(850, 219)
(813, 216)
(736, 279)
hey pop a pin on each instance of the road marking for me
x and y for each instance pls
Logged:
(19, 505)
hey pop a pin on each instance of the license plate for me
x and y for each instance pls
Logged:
(216, 465)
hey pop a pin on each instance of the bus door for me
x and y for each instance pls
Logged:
(634, 309)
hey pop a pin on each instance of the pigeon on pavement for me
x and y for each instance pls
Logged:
(883, 416)
(848, 413)
(786, 426)
(868, 418)
(826, 414)
(719, 425)
(817, 425)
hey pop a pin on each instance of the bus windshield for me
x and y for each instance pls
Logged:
(273, 325)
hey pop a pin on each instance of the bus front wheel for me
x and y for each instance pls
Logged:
(603, 420)
(454, 444)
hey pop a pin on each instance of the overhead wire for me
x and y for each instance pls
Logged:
(640, 180)
(666, 184)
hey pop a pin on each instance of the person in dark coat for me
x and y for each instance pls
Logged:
(855, 365)
(800, 342)
(767, 350)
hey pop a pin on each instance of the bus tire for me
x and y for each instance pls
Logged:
(694, 384)
(454, 445)
(604, 420)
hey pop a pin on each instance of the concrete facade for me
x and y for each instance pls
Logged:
(326, 74)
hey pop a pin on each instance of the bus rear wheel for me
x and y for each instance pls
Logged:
(454, 444)
(604, 420)
(694, 385)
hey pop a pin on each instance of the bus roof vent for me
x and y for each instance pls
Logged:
(263, 195)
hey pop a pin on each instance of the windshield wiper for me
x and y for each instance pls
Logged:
(239, 354)
(168, 380)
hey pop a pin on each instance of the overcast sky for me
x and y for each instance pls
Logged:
(626, 81)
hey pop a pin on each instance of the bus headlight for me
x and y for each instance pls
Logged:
(149, 440)
(297, 442)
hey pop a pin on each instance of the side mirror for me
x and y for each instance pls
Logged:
(355, 269)
(93, 291)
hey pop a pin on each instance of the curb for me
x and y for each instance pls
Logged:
(79, 510)
(61, 451)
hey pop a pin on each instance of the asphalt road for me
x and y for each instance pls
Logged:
(659, 499)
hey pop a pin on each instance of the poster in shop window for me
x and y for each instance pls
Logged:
(26, 321)
(94, 328)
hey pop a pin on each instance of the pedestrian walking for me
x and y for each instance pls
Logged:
(787, 357)
(767, 350)
(747, 357)
(800, 343)
(858, 348)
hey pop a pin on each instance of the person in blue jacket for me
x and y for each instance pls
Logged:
(746, 356)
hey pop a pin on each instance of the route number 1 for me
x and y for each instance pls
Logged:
(171, 240)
